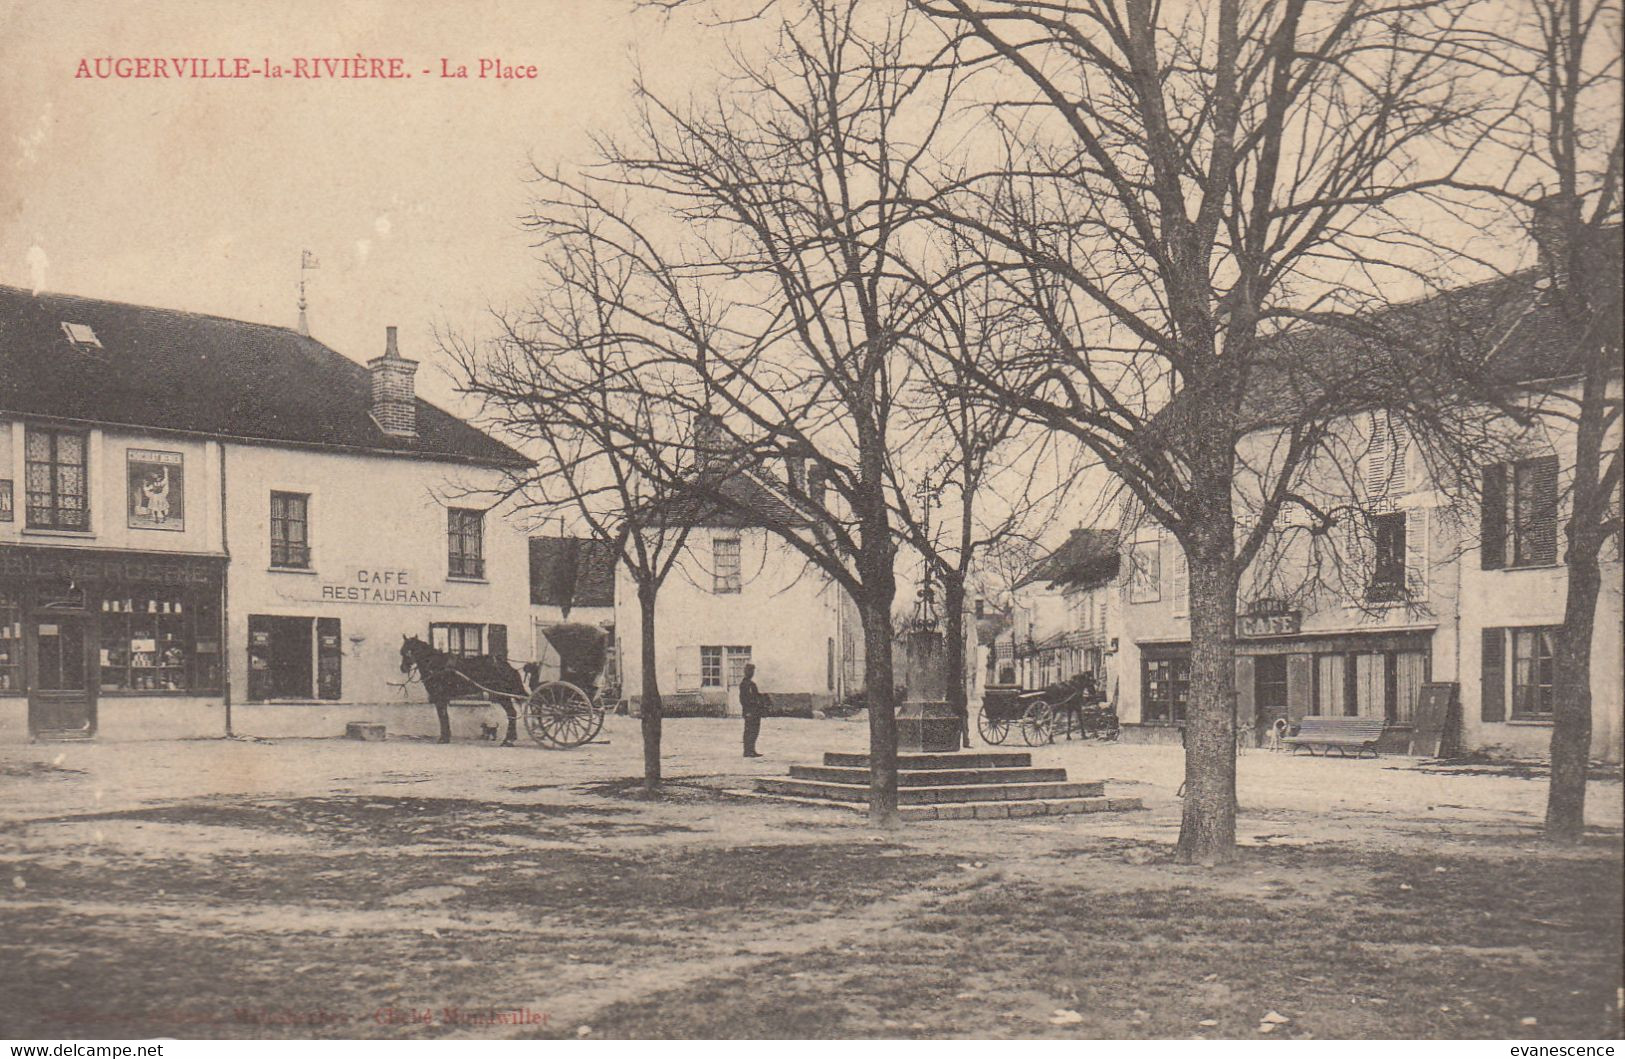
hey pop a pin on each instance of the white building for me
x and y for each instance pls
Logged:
(202, 517)
(1429, 594)
(740, 595)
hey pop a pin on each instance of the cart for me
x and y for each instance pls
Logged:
(1071, 706)
(561, 716)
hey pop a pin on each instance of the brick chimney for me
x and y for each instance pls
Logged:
(394, 401)
(1553, 223)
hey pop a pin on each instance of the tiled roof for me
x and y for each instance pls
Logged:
(170, 370)
(571, 572)
(1088, 557)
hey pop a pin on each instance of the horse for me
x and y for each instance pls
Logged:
(445, 676)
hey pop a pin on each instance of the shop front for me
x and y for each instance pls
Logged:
(1284, 673)
(98, 641)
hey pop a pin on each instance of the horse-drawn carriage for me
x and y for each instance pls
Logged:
(1073, 705)
(558, 714)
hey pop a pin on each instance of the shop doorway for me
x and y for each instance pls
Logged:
(61, 700)
(280, 658)
(1269, 690)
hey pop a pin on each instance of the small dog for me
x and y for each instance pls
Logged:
(488, 732)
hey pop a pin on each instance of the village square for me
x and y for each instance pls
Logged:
(939, 519)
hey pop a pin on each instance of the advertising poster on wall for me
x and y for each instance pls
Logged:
(157, 489)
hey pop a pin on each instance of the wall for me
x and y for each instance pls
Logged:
(786, 612)
(370, 517)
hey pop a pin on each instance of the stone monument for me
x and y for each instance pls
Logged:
(925, 721)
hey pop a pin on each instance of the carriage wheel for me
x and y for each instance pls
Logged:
(1038, 724)
(993, 729)
(561, 716)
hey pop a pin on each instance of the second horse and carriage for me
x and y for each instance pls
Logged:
(1072, 706)
(559, 713)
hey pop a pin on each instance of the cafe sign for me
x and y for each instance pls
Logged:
(381, 585)
(1276, 623)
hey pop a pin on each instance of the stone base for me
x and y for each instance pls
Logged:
(367, 733)
(927, 728)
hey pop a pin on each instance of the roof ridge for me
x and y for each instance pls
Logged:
(165, 309)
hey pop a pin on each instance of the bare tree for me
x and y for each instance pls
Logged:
(582, 375)
(784, 199)
(1561, 170)
(1185, 180)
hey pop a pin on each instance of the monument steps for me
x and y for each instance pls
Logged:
(985, 759)
(937, 777)
(966, 810)
(982, 792)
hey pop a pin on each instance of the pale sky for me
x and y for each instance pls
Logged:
(200, 194)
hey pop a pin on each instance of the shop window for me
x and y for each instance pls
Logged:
(57, 480)
(1369, 684)
(1533, 673)
(1167, 690)
(465, 533)
(725, 565)
(290, 530)
(158, 641)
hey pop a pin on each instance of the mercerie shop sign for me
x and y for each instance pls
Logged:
(367, 584)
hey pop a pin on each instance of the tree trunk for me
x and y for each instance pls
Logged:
(1207, 832)
(1571, 705)
(879, 695)
(953, 591)
(650, 710)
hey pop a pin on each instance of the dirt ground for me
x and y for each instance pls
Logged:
(324, 888)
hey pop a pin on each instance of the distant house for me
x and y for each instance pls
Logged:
(740, 595)
(572, 582)
(1064, 614)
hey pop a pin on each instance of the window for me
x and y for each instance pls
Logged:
(458, 638)
(717, 663)
(465, 532)
(1534, 511)
(1369, 684)
(1167, 690)
(11, 643)
(290, 530)
(1385, 458)
(1519, 514)
(725, 564)
(57, 480)
(1145, 560)
(81, 335)
(1532, 673)
(158, 641)
(1388, 571)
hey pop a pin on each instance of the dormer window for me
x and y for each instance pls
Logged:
(81, 335)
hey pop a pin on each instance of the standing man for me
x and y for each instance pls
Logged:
(752, 703)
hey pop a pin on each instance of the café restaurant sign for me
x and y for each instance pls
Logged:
(381, 585)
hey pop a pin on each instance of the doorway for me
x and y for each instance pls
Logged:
(1269, 690)
(61, 700)
(280, 662)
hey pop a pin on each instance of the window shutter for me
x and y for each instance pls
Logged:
(496, 641)
(1492, 691)
(1416, 553)
(1378, 457)
(329, 659)
(1537, 527)
(1182, 581)
(1492, 530)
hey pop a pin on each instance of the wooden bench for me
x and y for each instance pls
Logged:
(1337, 733)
